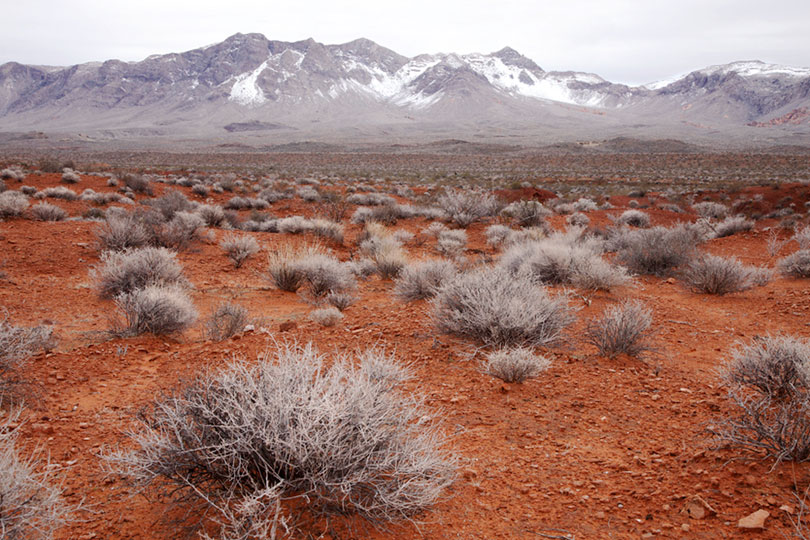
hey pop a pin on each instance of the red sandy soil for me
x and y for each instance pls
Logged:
(592, 448)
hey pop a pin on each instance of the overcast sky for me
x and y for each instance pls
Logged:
(630, 41)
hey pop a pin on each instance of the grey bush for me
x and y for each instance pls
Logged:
(711, 274)
(122, 231)
(733, 225)
(136, 268)
(451, 243)
(171, 202)
(423, 280)
(156, 310)
(634, 218)
(340, 300)
(795, 265)
(768, 384)
(31, 504)
(58, 192)
(324, 274)
(515, 364)
(622, 329)
(249, 441)
(657, 250)
(48, 212)
(500, 309)
(137, 183)
(17, 344)
(328, 316)
(526, 213)
(464, 207)
(710, 210)
(212, 214)
(70, 177)
(239, 248)
(12, 204)
(226, 321)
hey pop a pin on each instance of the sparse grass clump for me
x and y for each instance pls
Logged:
(226, 321)
(622, 329)
(733, 225)
(796, 265)
(155, 310)
(515, 364)
(710, 210)
(239, 248)
(122, 232)
(131, 269)
(423, 280)
(769, 384)
(526, 213)
(499, 309)
(252, 440)
(31, 504)
(711, 274)
(451, 243)
(48, 212)
(466, 207)
(70, 177)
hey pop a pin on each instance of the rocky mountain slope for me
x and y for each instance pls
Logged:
(251, 88)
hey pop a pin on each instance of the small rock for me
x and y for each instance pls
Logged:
(754, 521)
(47, 429)
(249, 328)
(697, 508)
(287, 326)
(685, 527)
(786, 508)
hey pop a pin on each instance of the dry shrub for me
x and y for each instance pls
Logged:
(155, 310)
(137, 183)
(70, 177)
(796, 265)
(292, 442)
(12, 204)
(125, 271)
(497, 308)
(634, 218)
(622, 329)
(171, 202)
(451, 243)
(17, 344)
(340, 300)
(515, 364)
(226, 321)
(733, 225)
(122, 232)
(655, 251)
(526, 213)
(710, 210)
(239, 247)
(711, 274)
(768, 383)
(328, 316)
(423, 280)
(466, 207)
(48, 212)
(31, 505)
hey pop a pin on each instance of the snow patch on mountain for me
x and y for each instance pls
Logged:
(245, 90)
(756, 68)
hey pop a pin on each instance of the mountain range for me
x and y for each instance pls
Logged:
(252, 90)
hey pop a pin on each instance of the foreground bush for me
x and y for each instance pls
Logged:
(12, 204)
(31, 506)
(239, 248)
(622, 329)
(769, 384)
(155, 310)
(514, 364)
(499, 309)
(796, 265)
(292, 442)
(711, 274)
(122, 232)
(423, 280)
(17, 344)
(48, 212)
(657, 250)
(125, 271)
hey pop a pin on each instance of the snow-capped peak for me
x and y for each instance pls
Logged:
(756, 68)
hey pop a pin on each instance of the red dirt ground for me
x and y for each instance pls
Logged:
(592, 448)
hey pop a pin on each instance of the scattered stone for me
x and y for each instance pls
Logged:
(697, 508)
(287, 326)
(786, 508)
(755, 520)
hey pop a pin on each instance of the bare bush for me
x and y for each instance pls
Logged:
(70, 177)
(171, 202)
(127, 270)
(622, 329)
(17, 344)
(156, 310)
(239, 248)
(711, 274)
(58, 192)
(768, 383)
(324, 274)
(328, 229)
(733, 225)
(451, 243)
(122, 232)
(328, 316)
(180, 232)
(212, 214)
(226, 321)
(12, 204)
(634, 218)
(137, 183)
(500, 309)
(795, 265)
(423, 280)
(526, 213)
(249, 442)
(657, 250)
(466, 207)
(48, 212)
(282, 269)
(31, 504)
(710, 210)
(497, 234)
(515, 364)
(802, 237)
(340, 300)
